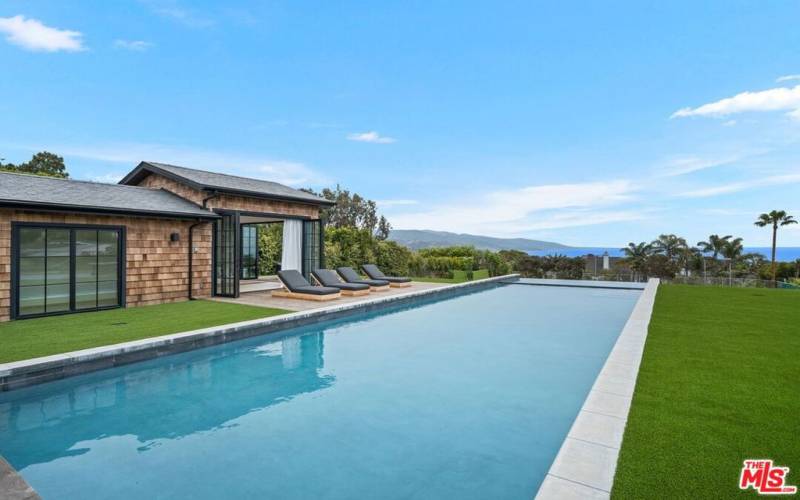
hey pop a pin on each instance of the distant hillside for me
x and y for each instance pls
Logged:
(416, 239)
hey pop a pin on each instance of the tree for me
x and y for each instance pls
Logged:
(732, 251)
(669, 245)
(42, 163)
(352, 210)
(714, 245)
(776, 218)
(384, 228)
(636, 256)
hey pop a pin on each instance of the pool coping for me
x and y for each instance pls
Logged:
(13, 486)
(587, 460)
(18, 374)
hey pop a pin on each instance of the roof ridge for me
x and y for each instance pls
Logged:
(82, 181)
(156, 163)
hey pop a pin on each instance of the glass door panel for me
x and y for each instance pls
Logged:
(312, 247)
(62, 269)
(226, 255)
(249, 252)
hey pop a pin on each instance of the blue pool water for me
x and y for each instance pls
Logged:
(468, 397)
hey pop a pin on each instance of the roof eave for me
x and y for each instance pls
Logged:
(105, 210)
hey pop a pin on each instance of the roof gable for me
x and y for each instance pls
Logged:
(213, 181)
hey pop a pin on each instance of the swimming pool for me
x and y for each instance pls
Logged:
(467, 397)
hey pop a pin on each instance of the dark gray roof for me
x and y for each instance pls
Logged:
(37, 191)
(201, 179)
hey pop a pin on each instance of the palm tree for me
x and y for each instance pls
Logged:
(669, 245)
(636, 256)
(732, 251)
(714, 245)
(775, 219)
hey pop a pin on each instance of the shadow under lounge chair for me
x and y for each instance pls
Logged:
(326, 277)
(297, 287)
(376, 274)
(350, 276)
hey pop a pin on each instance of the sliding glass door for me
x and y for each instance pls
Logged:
(62, 269)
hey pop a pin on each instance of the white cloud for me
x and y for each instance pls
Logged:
(285, 172)
(31, 34)
(735, 187)
(787, 78)
(371, 136)
(395, 203)
(777, 99)
(530, 208)
(688, 164)
(135, 45)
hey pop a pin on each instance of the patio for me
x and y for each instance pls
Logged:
(265, 299)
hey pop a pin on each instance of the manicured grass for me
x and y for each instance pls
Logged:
(719, 383)
(31, 338)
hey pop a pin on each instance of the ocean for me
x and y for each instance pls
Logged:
(783, 254)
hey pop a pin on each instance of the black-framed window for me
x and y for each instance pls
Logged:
(60, 268)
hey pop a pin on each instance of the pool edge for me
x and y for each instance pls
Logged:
(13, 486)
(587, 460)
(19, 374)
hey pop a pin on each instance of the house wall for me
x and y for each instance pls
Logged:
(231, 202)
(157, 269)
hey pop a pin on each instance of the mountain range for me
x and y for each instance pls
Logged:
(423, 238)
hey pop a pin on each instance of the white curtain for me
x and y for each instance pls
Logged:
(292, 257)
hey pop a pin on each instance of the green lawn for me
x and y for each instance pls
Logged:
(31, 338)
(719, 383)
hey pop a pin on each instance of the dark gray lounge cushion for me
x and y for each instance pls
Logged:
(295, 282)
(350, 276)
(375, 273)
(326, 277)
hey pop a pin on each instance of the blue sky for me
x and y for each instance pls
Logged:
(587, 123)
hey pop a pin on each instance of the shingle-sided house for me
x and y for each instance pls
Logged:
(164, 233)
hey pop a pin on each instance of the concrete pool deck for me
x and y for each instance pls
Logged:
(587, 461)
(29, 372)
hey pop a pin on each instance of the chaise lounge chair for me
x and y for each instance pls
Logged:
(376, 274)
(326, 277)
(350, 276)
(297, 287)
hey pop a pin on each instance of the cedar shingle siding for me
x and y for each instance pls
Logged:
(156, 267)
